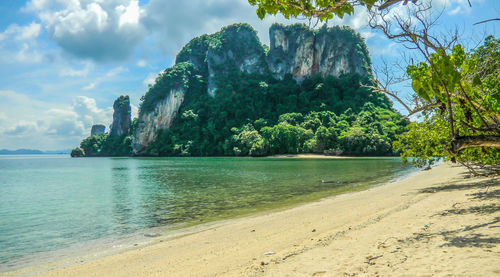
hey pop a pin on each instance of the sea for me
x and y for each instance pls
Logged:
(52, 206)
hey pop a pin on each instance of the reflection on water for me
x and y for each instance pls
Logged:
(122, 202)
(52, 202)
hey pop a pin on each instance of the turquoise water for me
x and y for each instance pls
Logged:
(52, 202)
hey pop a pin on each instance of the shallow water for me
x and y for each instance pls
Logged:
(53, 202)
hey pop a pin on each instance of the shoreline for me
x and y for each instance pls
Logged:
(236, 247)
(308, 156)
(292, 156)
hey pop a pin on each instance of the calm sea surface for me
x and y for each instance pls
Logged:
(53, 202)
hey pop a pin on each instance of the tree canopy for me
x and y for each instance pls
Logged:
(322, 10)
(255, 114)
(457, 91)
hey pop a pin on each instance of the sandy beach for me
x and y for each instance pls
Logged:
(310, 156)
(440, 222)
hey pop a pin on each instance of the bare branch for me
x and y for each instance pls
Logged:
(484, 21)
(389, 3)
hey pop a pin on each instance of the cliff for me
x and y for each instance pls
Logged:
(118, 142)
(208, 62)
(121, 117)
(304, 52)
(97, 129)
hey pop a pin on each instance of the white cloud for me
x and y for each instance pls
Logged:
(91, 29)
(28, 32)
(88, 112)
(150, 79)
(174, 23)
(134, 111)
(70, 72)
(107, 76)
(27, 54)
(22, 128)
(141, 63)
(115, 71)
(389, 49)
(36, 124)
(366, 34)
(456, 10)
(90, 86)
(129, 14)
(19, 44)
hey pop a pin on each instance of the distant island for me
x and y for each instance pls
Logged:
(230, 95)
(32, 152)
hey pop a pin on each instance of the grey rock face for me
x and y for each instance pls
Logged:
(97, 129)
(160, 118)
(121, 116)
(304, 52)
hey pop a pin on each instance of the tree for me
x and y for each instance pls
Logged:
(321, 10)
(77, 152)
(456, 89)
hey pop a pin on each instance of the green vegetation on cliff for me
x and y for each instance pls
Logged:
(176, 77)
(240, 97)
(105, 145)
(254, 114)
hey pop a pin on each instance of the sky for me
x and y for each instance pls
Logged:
(64, 62)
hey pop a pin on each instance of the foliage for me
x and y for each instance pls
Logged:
(175, 77)
(123, 101)
(459, 92)
(424, 143)
(255, 114)
(92, 146)
(77, 152)
(106, 145)
(467, 89)
(323, 10)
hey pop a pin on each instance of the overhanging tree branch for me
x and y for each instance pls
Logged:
(463, 142)
(488, 20)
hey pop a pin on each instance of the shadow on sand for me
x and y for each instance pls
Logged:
(483, 235)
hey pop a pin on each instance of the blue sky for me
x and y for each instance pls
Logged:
(63, 62)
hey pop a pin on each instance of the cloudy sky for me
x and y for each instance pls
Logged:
(63, 62)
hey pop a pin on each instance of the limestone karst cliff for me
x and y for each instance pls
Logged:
(97, 129)
(209, 60)
(118, 142)
(304, 52)
(121, 116)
